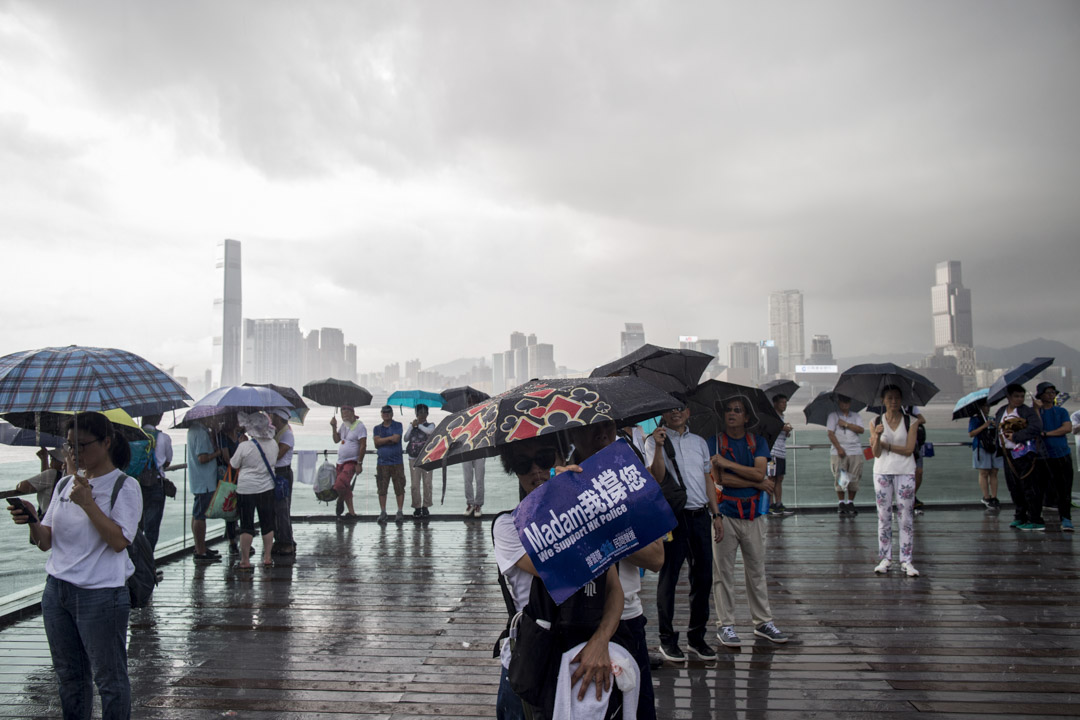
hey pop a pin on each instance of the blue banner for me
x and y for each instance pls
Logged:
(576, 525)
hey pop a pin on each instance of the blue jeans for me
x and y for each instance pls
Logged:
(153, 509)
(507, 704)
(87, 631)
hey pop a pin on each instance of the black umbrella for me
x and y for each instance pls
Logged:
(337, 393)
(671, 370)
(865, 383)
(54, 423)
(540, 407)
(817, 412)
(787, 388)
(1018, 376)
(459, 398)
(705, 404)
(12, 435)
(299, 409)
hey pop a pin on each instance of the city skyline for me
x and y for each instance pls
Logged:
(668, 167)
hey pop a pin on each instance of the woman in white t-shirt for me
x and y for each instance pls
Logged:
(86, 603)
(893, 444)
(253, 460)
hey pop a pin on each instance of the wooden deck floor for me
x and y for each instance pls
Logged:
(399, 623)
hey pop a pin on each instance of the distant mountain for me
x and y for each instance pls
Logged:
(901, 358)
(457, 367)
(1008, 357)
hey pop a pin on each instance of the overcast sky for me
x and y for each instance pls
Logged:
(431, 176)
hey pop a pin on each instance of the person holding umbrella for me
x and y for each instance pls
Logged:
(255, 486)
(845, 455)
(892, 440)
(985, 456)
(352, 444)
(1022, 445)
(85, 605)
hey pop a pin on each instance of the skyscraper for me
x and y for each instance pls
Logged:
(498, 375)
(821, 351)
(332, 349)
(517, 340)
(273, 351)
(744, 355)
(228, 334)
(632, 338)
(786, 328)
(951, 304)
(541, 360)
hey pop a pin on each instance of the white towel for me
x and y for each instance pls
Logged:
(305, 466)
(623, 667)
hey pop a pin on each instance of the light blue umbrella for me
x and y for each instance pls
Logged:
(968, 406)
(412, 398)
(239, 397)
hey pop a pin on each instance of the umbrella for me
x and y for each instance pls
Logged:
(86, 378)
(540, 407)
(671, 370)
(337, 393)
(787, 388)
(412, 398)
(13, 435)
(298, 409)
(459, 398)
(202, 412)
(1017, 375)
(865, 383)
(704, 404)
(968, 406)
(817, 412)
(53, 423)
(240, 397)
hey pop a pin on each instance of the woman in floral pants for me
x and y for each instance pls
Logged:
(892, 439)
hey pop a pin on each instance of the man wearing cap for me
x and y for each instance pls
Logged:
(283, 436)
(352, 441)
(674, 454)
(845, 455)
(1058, 462)
(740, 467)
(390, 466)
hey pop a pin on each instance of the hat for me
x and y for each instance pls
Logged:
(751, 416)
(283, 414)
(386, 408)
(257, 424)
(1043, 387)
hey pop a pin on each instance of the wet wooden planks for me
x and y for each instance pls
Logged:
(399, 623)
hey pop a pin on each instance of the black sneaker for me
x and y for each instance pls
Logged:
(918, 503)
(206, 559)
(988, 502)
(424, 512)
(842, 509)
(702, 650)
(851, 509)
(212, 551)
(674, 653)
(418, 512)
(234, 549)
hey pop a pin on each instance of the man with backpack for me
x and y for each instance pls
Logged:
(416, 437)
(152, 478)
(1057, 426)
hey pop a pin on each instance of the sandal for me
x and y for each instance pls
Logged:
(268, 564)
(245, 568)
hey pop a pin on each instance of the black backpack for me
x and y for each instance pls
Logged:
(986, 441)
(417, 440)
(142, 582)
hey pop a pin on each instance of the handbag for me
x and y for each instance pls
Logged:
(223, 504)
(675, 490)
(281, 484)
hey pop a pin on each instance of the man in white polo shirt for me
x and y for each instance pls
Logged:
(350, 460)
(845, 428)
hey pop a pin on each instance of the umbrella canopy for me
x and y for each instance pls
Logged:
(1017, 375)
(865, 383)
(298, 410)
(85, 378)
(412, 398)
(540, 407)
(240, 397)
(669, 369)
(459, 398)
(13, 435)
(817, 412)
(968, 406)
(55, 422)
(337, 393)
(704, 404)
(202, 412)
(787, 388)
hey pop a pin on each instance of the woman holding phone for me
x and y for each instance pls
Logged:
(86, 604)
(892, 439)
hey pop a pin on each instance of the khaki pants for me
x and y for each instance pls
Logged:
(419, 476)
(749, 535)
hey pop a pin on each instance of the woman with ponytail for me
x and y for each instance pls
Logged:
(85, 605)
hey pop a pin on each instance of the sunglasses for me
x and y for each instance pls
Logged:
(734, 409)
(82, 446)
(543, 459)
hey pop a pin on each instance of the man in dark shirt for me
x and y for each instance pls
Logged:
(390, 465)
(1058, 463)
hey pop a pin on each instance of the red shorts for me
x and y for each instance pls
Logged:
(343, 482)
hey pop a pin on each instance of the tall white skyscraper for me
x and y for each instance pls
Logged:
(273, 351)
(744, 355)
(228, 321)
(631, 338)
(786, 328)
(951, 304)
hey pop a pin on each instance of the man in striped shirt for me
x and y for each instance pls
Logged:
(779, 456)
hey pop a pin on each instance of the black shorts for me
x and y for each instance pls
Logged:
(263, 503)
(781, 466)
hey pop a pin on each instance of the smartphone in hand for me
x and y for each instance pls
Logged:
(23, 506)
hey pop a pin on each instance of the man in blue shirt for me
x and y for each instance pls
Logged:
(740, 466)
(390, 465)
(202, 458)
(1059, 471)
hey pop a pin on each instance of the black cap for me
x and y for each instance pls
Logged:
(386, 408)
(1043, 387)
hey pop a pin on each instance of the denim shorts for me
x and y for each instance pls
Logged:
(200, 504)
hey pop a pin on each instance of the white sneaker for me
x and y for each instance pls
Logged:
(476, 512)
(883, 566)
(909, 569)
(468, 511)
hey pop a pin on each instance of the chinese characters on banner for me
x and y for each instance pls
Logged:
(576, 525)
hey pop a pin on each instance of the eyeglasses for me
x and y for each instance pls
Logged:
(543, 459)
(82, 446)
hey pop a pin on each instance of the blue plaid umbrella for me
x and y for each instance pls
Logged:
(83, 379)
